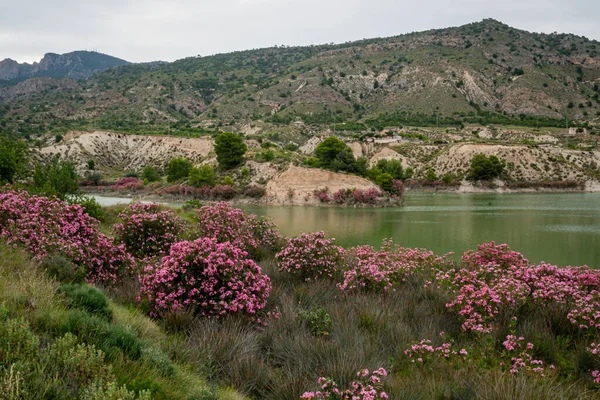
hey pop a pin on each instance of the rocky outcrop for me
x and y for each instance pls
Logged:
(9, 69)
(75, 65)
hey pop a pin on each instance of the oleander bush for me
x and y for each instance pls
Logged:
(45, 226)
(148, 231)
(250, 233)
(311, 256)
(367, 386)
(216, 279)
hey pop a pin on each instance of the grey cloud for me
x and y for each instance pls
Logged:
(149, 30)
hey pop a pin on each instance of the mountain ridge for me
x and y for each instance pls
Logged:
(79, 64)
(484, 72)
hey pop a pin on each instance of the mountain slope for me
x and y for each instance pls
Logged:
(485, 72)
(75, 65)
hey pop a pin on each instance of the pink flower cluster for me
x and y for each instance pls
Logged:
(423, 351)
(397, 187)
(520, 359)
(500, 255)
(425, 258)
(217, 278)
(127, 184)
(146, 231)
(322, 195)
(594, 349)
(368, 387)
(310, 256)
(224, 192)
(374, 270)
(44, 226)
(383, 269)
(480, 296)
(350, 196)
(496, 279)
(245, 231)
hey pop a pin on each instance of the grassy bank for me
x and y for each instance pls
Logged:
(67, 341)
(491, 326)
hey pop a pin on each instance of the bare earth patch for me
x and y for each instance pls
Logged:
(296, 185)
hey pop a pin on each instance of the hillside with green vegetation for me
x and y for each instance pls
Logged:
(484, 73)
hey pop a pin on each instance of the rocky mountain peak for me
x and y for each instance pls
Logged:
(74, 65)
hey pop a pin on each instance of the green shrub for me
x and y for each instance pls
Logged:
(89, 204)
(111, 391)
(448, 179)
(267, 155)
(335, 155)
(319, 322)
(77, 322)
(207, 394)
(87, 298)
(14, 157)
(228, 181)
(56, 178)
(120, 337)
(230, 149)
(114, 340)
(431, 176)
(178, 168)
(77, 364)
(18, 342)
(205, 175)
(61, 269)
(151, 174)
(385, 181)
(392, 167)
(485, 168)
(192, 204)
(158, 360)
(146, 385)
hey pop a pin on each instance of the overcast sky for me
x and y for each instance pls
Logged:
(149, 30)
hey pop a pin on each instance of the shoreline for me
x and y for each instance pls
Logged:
(244, 201)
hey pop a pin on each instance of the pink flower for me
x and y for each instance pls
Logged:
(215, 278)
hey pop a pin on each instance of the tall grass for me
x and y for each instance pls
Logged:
(285, 359)
(70, 341)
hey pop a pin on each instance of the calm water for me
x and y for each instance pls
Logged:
(562, 229)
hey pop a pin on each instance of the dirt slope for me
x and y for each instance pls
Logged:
(296, 185)
(126, 152)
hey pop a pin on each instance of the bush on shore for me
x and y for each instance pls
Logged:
(254, 235)
(215, 279)
(44, 226)
(147, 231)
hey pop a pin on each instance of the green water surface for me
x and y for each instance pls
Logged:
(562, 229)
